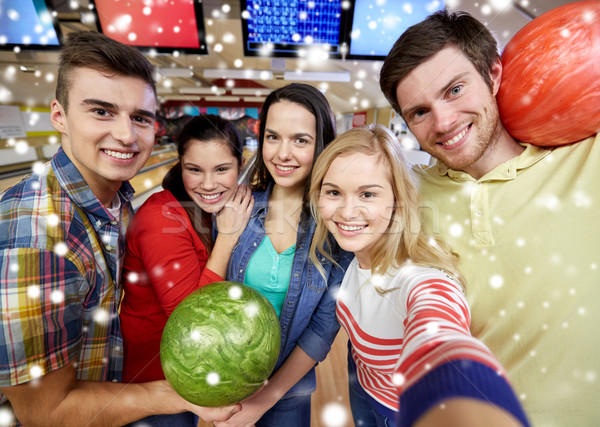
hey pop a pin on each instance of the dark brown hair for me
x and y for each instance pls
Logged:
(205, 127)
(90, 49)
(425, 39)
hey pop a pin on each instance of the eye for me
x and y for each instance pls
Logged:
(368, 195)
(143, 120)
(301, 141)
(418, 115)
(455, 90)
(271, 137)
(223, 169)
(332, 193)
(100, 112)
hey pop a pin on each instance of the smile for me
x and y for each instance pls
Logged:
(350, 227)
(457, 138)
(119, 155)
(285, 168)
(210, 196)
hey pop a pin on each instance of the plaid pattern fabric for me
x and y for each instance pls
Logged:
(61, 253)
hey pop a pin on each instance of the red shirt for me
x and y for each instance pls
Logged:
(164, 261)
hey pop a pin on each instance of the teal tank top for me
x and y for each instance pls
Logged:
(269, 272)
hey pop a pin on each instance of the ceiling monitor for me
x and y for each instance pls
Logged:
(28, 25)
(292, 28)
(159, 26)
(375, 25)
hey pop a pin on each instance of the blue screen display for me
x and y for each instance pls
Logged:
(27, 23)
(377, 24)
(286, 26)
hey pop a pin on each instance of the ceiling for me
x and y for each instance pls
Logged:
(35, 88)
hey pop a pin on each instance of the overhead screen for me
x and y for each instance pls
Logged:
(161, 26)
(28, 25)
(289, 28)
(377, 24)
(346, 29)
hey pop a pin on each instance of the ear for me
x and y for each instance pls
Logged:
(496, 76)
(242, 164)
(58, 117)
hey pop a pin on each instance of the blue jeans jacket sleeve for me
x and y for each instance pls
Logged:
(317, 338)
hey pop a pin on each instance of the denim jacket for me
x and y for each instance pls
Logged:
(308, 316)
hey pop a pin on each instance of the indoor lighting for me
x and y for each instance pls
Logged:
(324, 76)
(215, 73)
(175, 72)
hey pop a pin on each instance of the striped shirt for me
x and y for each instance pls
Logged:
(418, 321)
(59, 296)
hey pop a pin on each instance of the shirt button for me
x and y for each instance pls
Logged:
(478, 213)
(114, 222)
(109, 248)
(295, 274)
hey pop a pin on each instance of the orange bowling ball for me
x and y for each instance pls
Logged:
(550, 88)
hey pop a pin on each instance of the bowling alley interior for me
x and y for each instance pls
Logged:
(224, 57)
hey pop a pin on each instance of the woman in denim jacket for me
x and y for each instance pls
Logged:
(296, 123)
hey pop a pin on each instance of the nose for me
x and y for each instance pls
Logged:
(348, 209)
(445, 117)
(209, 183)
(124, 131)
(284, 152)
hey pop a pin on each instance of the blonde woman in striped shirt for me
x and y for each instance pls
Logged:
(412, 359)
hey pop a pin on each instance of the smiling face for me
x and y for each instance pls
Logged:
(209, 173)
(356, 203)
(108, 132)
(452, 112)
(289, 144)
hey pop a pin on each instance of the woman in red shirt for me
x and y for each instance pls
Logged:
(170, 248)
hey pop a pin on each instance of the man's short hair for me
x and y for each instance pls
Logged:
(425, 39)
(94, 50)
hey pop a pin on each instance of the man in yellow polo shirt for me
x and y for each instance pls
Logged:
(525, 220)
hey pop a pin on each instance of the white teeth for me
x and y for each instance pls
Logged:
(286, 168)
(210, 196)
(456, 138)
(351, 227)
(119, 155)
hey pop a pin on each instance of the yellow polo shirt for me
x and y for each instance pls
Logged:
(528, 236)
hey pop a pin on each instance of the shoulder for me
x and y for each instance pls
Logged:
(157, 202)
(412, 276)
(29, 207)
(160, 208)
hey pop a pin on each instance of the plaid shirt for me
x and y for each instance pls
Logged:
(59, 295)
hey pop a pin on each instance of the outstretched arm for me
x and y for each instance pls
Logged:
(444, 373)
(60, 399)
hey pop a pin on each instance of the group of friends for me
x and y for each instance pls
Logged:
(332, 229)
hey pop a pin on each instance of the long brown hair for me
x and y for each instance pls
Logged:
(206, 127)
(404, 241)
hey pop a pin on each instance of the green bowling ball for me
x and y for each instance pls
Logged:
(220, 344)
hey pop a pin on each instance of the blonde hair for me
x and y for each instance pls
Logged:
(404, 240)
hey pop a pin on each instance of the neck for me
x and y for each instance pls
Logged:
(287, 195)
(503, 148)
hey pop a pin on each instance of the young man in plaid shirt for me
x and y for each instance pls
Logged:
(61, 236)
